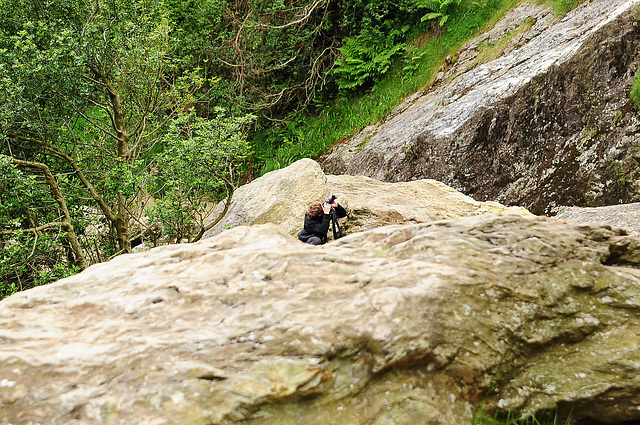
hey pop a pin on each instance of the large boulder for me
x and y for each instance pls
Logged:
(281, 197)
(626, 216)
(547, 123)
(406, 324)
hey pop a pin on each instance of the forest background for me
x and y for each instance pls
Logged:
(126, 121)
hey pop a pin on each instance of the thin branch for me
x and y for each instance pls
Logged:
(203, 229)
(309, 11)
(63, 155)
(95, 124)
(66, 217)
(33, 229)
(33, 248)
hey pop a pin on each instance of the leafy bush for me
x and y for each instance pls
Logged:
(275, 57)
(200, 166)
(28, 258)
(369, 54)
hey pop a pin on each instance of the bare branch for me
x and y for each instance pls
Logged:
(308, 12)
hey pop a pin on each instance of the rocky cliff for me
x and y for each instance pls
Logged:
(549, 122)
(405, 324)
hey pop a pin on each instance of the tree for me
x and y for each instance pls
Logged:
(76, 256)
(201, 165)
(86, 90)
(87, 86)
(37, 239)
(271, 55)
(276, 57)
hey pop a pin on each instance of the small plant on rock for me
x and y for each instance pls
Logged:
(635, 90)
(513, 418)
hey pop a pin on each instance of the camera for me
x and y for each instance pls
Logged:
(331, 199)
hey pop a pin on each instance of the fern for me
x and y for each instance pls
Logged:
(366, 57)
(429, 4)
(440, 9)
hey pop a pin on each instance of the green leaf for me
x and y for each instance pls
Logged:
(431, 16)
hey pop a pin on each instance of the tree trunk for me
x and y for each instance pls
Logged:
(65, 224)
(122, 226)
(217, 220)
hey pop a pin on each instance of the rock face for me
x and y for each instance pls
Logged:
(625, 216)
(281, 197)
(547, 123)
(410, 324)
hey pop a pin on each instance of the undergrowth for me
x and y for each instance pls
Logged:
(310, 136)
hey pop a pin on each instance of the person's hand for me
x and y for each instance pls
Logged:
(335, 204)
(326, 207)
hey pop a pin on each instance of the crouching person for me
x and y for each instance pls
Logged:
(317, 221)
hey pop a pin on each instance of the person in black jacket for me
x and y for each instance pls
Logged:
(317, 221)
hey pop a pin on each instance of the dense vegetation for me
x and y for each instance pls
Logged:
(126, 121)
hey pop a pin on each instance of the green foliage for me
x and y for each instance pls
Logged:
(123, 179)
(411, 70)
(341, 117)
(275, 57)
(561, 7)
(369, 54)
(441, 9)
(200, 166)
(268, 54)
(16, 191)
(634, 92)
(28, 259)
(366, 57)
(86, 89)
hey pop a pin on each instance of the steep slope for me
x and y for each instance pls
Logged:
(547, 123)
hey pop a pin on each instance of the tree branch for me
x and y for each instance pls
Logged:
(33, 229)
(308, 12)
(203, 229)
(63, 155)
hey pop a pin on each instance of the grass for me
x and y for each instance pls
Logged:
(491, 51)
(561, 7)
(345, 116)
(635, 89)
